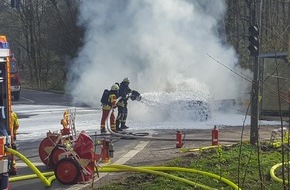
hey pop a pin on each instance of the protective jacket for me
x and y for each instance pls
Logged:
(15, 124)
(124, 92)
(112, 100)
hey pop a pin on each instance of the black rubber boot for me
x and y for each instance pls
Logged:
(117, 124)
(123, 126)
(103, 131)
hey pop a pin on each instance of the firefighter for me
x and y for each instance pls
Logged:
(110, 98)
(122, 104)
(11, 160)
(15, 124)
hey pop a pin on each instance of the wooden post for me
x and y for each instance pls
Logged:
(289, 48)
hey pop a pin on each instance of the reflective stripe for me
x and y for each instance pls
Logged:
(121, 103)
(112, 101)
(106, 107)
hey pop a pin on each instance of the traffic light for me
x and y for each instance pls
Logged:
(15, 3)
(254, 40)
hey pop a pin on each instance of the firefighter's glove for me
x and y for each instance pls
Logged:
(135, 95)
(139, 98)
(13, 146)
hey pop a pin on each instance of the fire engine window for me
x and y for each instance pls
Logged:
(13, 67)
(3, 128)
(2, 72)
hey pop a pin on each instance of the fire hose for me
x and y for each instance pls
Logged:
(273, 176)
(119, 168)
(150, 169)
(29, 176)
(47, 182)
(155, 172)
(124, 168)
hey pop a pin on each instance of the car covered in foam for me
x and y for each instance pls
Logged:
(197, 110)
(174, 106)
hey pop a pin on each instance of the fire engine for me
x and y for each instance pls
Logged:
(6, 131)
(14, 72)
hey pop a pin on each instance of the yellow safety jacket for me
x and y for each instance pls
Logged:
(112, 102)
(15, 122)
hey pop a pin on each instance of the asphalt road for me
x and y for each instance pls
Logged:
(133, 152)
(29, 147)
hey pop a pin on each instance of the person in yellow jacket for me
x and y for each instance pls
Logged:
(15, 124)
(110, 102)
(12, 169)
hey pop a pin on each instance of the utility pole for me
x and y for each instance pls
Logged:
(288, 101)
(15, 4)
(254, 50)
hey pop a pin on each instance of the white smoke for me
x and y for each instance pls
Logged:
(161, 45)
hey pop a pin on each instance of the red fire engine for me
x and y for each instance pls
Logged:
(6, 131)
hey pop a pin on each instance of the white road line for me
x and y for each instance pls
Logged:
(125, 158)
(28, 100)
(122, 160)
(132, 153)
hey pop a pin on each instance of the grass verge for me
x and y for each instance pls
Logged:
(240, 164)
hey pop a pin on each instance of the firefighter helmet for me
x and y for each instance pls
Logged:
(126, 80)
(115, 87)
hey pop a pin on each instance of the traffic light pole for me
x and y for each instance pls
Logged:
(254, 103)
(256, 18)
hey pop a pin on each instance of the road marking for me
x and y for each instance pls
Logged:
(122, 160)
(132, 153)
(27, 99)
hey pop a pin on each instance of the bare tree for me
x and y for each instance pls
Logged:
(44, 35)
(47, 37)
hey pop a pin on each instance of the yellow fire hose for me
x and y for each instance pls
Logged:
(118, 168)
(155, 172)
(30, 176)
(123, 168)
(204, 148)
(224, 180)
(47, 182)
(111, 168)
(273, 176)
